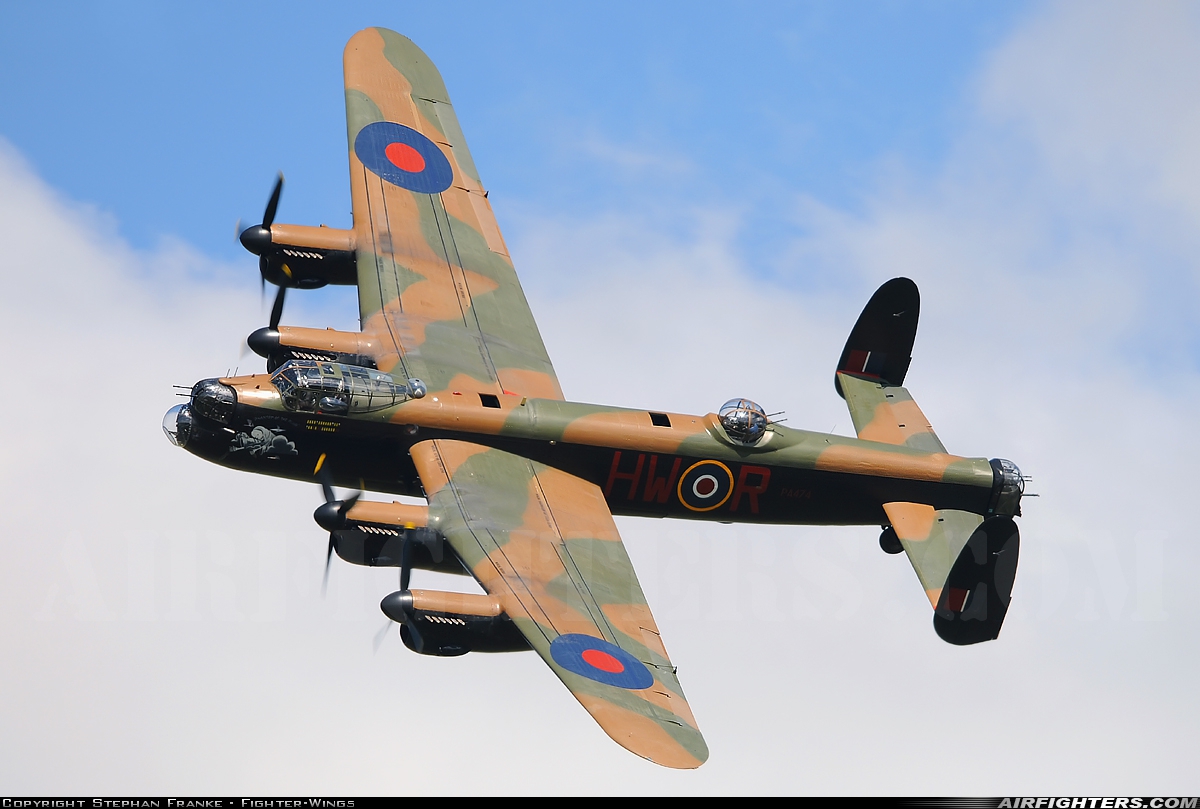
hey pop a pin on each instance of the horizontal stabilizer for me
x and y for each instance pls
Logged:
(887, 414)
(966, 565)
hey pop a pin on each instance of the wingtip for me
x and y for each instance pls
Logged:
(667, 744)
(679, 758)
(687, 760)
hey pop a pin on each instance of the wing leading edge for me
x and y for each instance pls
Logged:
(545, 543)
(434, 277)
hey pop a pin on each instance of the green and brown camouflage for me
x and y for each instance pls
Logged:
(448, 394)
(433, 270)
(544, 542)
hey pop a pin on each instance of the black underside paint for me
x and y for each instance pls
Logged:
(364, 455)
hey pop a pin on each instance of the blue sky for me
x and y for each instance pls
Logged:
(698, 201)
(175, 119)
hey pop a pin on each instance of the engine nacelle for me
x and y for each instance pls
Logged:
(373, 535)
(278, 346)
(445, 624)
(303, 257)
(381, 546)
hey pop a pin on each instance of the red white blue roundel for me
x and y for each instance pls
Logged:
(601, 661)
(403, 157)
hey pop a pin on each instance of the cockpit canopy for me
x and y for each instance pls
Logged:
(336, 389)
(744, 421)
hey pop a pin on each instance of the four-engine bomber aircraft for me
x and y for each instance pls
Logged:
(448, 394)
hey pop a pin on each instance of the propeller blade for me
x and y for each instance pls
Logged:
(277, 308)
(405, 562)
(325, 480)
(332, 514)
(273, 203)
(325, 515)
(257, 238)
(417, 641)
(398, 607)
(380, 636)
(328, 558)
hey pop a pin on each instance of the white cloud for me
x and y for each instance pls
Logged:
(631, 160)
(1106, 98)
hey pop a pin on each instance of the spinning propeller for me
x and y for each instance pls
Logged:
(257, 239)
(331, 515)
(398, 606)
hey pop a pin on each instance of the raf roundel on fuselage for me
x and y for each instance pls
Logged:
(403, 157)
(705, 486)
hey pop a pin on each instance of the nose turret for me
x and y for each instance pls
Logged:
(211, 401)
(177, 424)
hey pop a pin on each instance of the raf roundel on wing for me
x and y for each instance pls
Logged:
(404, 157)
(601, 661)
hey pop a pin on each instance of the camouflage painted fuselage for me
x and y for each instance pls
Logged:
(792, 476)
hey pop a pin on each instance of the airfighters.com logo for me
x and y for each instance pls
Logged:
(1097, 803)
(1060, 803)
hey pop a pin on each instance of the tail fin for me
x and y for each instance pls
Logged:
(966, 564)
(880, 346)
(872, 369)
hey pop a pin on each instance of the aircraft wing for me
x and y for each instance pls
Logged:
(435, 282)
(544, 542)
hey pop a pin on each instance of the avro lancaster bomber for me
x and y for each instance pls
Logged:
(447, 394)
